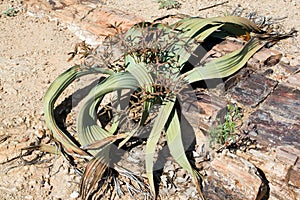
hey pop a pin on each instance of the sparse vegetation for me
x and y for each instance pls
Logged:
(11, 12)
(226, 130)
(169, 4)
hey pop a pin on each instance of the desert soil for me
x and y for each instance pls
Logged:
(34, 51)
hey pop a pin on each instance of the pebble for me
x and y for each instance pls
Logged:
(131, 159)
(74, 195)
(196, 154)
(28, 197)
(164, 180)
(171, 174)
(169, 167)
(181, 180)
(40, 133)
(181, 173)
(285, 60)
(32, 183)
(253, 133)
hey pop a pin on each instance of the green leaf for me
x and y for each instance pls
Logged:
(160, 122)
(191, 26)
(225, 65)
(53, 92)
(88, 129)
(198, 25)
(139, 71)
(175, 144)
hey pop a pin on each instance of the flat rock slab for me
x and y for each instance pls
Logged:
(232, 177)
(210, 107)
(280, 170)
(294, 80)
(253, 90)
(284, 102)
(277, 121)
(91, 21)
(274, 132)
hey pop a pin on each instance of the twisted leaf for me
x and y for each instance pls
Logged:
(53, 92)
(225, 65)
(88, 130)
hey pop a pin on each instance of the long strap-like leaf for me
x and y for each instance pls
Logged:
(88, 130)
(225, 65)
(159, 124)
(53, 92)
(175, 144)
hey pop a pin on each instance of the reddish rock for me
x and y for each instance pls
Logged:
(287, 154)
(294, 178)
(281, 174)
(284, 102)
(210, 107)
(93, 18)
(274, 132)
(294, 80)
(267, 56)
(232, 177)
(253, 90)
(228, 46)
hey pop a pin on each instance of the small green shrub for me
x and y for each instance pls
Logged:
(226, 130)
(11, 12)
(169, 4)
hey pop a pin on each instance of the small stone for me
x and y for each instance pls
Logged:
(191, 191)
(131, 159)
(196, 154)
(181, 180)
(169, 167)
(28, 197)
(32, 183)
(181, 173)
(285, 60)
(74, 195)
(164, 180)
(253, 133)
(171, 174)
(199, 149)
(40, 133)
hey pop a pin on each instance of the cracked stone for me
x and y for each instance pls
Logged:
(287, 154)
(294, 178)
(267, 56)
(231, 177)
(253, 91)
(284, 102)
(274, 132)
(294, 80)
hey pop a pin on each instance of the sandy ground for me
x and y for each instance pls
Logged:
(33, 51)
